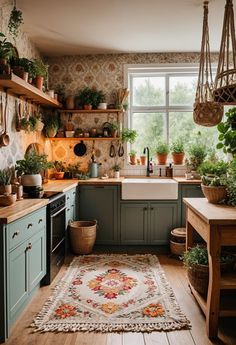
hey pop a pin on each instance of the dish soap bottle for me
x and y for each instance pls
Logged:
(151, 166)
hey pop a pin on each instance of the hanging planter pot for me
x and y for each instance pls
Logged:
(206, 111)
(225, 82)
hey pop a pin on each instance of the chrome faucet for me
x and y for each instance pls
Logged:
(148, 161)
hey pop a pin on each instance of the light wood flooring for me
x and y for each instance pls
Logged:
(175, 273)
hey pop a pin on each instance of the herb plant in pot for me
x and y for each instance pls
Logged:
(132, 156)
(7, 51)
(40, 72)
(196, 261)
(177, 151)
(129, 135)
(89, 98)
(30, 168)
(197, 153)
(59, 170)
(162, 150)
(116, 168)
(5, 181)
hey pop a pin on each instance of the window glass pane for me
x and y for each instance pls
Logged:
(182, 125)
(182, 90)
(151, 127)
(148, 91)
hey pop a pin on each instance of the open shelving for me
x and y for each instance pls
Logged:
(19, 87)
(87, 138)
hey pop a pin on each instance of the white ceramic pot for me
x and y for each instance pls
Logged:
(116, 174)
(70, 134)
(31, 180)
(102, 106)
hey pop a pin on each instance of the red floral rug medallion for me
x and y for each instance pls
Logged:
(110, 293)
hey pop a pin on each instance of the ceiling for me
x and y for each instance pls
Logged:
(75, 27)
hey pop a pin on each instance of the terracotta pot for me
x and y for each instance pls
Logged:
(162, 158)
(6, 189)
(38, 81)
(132, 160)
(88, 107)
(114, 133)
(178, 158)
(214, 194)
(143, 160)
(59, 175)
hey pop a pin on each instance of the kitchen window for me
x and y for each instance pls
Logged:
(161, 106)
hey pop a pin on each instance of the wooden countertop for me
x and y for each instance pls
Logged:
(212, 213)
(60, 185)
(19, 209)
(183, 180)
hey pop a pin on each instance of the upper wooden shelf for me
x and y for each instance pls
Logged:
(14, 84)
(80, 138)
(93, 111)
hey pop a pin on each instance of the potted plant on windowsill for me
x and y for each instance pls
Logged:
(162, 150)
(132, 156)
(196, 261)
(177, 151)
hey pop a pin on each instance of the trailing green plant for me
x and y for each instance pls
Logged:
(132, 153)
(209, 168)
(197, 153)
(59, 166)
(177, 146)
(15, 20)
(129, 135)
(227, 136)
(5, 176)
(51, 122)
(33, 163)
(7, 50)
(29, 125)
(90, 96)
(199, 256)
(162, 148)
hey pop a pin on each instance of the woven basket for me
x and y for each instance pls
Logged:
(177, 248)
(82, 236)
(208, 114)
(214, 194)
(7, 200)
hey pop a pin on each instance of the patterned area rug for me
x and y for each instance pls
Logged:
(107, 293)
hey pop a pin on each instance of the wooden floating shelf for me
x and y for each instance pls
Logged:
(78, 139)
(93, 111)
(16, 85)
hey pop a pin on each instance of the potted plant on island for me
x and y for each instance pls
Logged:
(5, 181)
(162, 150)
(177, 151)
(196, 261)
(30, 168)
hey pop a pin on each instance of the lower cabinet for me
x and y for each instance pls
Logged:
(188, 191)
(100, 202)
(71, 205)
(23, 265)
(148, 223)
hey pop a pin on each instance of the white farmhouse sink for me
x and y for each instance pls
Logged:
(149, 189)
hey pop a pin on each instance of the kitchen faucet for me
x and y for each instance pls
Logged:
(148, 161)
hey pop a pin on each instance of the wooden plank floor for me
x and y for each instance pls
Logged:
(22, 334)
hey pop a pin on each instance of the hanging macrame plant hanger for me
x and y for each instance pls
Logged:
(225, 82)
(206, 111)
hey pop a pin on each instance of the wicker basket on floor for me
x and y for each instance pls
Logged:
(82, 236)
(177, 241)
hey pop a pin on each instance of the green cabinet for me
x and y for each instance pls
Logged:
(23, 265)
(148, 223)
(71, 204)
(100, 202)
(188, 191)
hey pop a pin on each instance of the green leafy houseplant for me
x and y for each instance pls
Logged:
(7, 49)
(216, 169)
(90, 96)
(116, 167)
(33, 163)
(15, 20)
(162, 148)
(5, 177)
(197, 154)
(231, 183)
(59, 166)
(227, 136)
(177, 146)
(132, 153)
(129, 135)
(39, 68)
(51, 125)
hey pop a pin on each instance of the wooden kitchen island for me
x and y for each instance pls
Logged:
(216, 224)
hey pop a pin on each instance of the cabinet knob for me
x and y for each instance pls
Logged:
(29, 225)
(151, 208)
(40, 220)
(67, 198)
(145, 208)
(16, 234)
(29, 247)
(68, 209)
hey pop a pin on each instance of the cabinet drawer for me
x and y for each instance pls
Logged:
(25, 227)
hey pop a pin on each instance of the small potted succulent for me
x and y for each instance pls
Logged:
(162, 150)
(5, 181)
(116, 168)
(59, 170)
(177, 151)
(132, 156)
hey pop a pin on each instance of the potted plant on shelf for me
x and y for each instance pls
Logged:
(162, 150)
(227, 136)
(7, 51)
(89, 98)
(132, 156)
(5, 181)
(116, 168)
(22, 67)
(51, 125)
(30, 168)
(59, 170)
(214, 180)
(40, 72)
(177, 151)
(114, 129)
(196, 261)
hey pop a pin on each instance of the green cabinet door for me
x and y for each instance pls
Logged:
(37, 258)
(71, 205)
(101, 203)
(17, 280)
(163, 218)
(189, 191)
(134, 222)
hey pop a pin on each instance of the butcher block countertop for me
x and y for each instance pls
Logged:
(19, 209)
